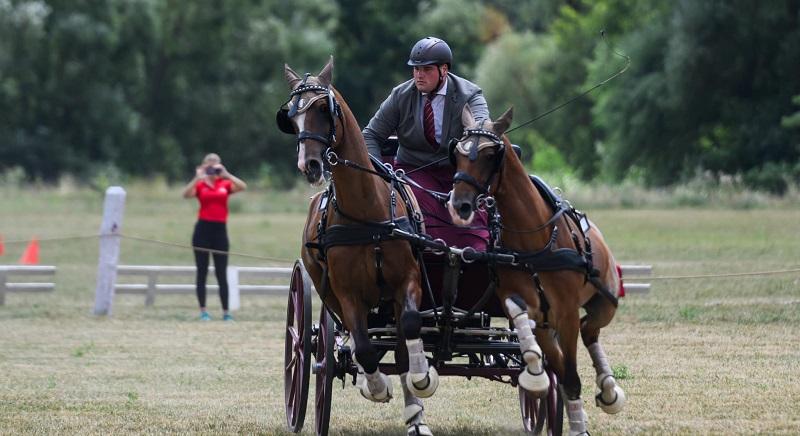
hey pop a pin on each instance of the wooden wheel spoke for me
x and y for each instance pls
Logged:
(292, 330)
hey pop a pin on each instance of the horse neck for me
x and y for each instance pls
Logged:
(359, 194)
(521, 206)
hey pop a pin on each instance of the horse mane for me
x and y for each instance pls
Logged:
(351, 131)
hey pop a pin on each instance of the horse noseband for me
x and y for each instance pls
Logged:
(464, 177)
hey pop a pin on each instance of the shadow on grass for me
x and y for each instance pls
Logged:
(393, 429)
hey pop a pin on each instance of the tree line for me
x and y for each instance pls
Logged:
(145, 87)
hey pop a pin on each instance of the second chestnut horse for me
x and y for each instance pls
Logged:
(562, 264)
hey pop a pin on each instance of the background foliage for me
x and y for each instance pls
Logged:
(142, 87)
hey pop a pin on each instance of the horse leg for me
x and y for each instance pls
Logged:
(422, 379)
(599, 312)
(568, 323)
(416, 376)
(533, 378)
(373, 385)
(413, 412)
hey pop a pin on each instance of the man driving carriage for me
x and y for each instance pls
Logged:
(425, 114)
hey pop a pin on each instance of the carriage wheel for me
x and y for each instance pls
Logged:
(297, 351)
(543, 414)
(325, 369)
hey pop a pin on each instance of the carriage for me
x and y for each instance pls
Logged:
(458, 333)
(386, 286)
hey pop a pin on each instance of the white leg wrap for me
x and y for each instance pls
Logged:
(533, 378)
(611, 397)
(413, 413)
(423, 379)
(576, 417)
(417, 363)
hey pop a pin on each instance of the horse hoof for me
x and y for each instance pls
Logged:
(613, 406)
(419, 430)
(423, 385)
(383, 396)
(535, 384)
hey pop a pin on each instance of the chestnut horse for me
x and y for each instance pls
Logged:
(562, 264)
(348, 249)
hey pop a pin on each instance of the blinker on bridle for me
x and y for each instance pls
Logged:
(296, 105)
(471, 149)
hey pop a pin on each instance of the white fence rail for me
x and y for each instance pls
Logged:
(155, 273)
(637, 273)
(9, 271)
(165, 280)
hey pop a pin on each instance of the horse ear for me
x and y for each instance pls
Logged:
(467, 119)
(326, 75)
(290, 75)
(502, 123)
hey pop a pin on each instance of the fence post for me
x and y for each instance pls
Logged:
(233, 288)
(152, 280)
(3, 279)
(113, 211)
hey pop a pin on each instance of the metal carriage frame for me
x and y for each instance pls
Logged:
(459, 342)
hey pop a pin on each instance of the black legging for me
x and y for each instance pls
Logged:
(213, 235)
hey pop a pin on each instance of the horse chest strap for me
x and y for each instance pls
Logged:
(378, 255)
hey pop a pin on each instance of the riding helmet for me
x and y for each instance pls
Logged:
(430, 51)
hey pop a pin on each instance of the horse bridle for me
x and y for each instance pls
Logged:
(471, 150)
(296, 104)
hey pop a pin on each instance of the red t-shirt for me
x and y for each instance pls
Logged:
(214, 200)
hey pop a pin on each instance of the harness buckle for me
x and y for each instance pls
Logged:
(480, 202)
(332, 157)
(439, 241)
(465, 251)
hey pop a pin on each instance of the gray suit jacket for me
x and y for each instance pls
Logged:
(400, 114)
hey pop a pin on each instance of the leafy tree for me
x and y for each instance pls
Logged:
(149, 86)
(372, 44)
(712, 82)
(792, 121)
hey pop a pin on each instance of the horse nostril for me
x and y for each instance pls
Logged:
(313, 171)
(465, 210)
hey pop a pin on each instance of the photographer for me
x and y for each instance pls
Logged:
(212, 185)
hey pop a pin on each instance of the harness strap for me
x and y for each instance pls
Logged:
(549, 259)
(316, 137)
(360, 233)
(464, 177)
(544, 305)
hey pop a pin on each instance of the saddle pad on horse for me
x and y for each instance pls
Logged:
(550, 197)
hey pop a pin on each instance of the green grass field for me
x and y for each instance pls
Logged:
(701, 356)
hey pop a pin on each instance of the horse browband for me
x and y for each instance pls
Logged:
(472, 153)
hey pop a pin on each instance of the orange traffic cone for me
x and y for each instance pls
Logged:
(31, 254)
(2, 247)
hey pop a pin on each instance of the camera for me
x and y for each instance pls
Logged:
(213, 171)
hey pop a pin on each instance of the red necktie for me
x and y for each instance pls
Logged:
(429, 124)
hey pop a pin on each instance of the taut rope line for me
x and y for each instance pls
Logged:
(704, 276)
(209, 250)
(277, 259)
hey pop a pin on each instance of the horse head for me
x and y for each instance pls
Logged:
(477, 157)
(311, 113)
